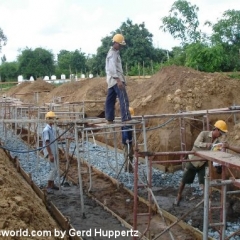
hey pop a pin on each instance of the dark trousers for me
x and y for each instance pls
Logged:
(112, 95)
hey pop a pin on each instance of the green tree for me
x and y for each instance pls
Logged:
(78, 62)
(91, 64)
(139, 49)
(219, 52)
(36, 63)
(3, 59)
(3, 39)
(176, 57)
(204, 58)
(227, 29)
(182, 22)
(99, 59)
(227, 33)
(63, 63)
(9, 71)
(71, 62)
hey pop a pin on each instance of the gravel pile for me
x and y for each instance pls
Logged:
(104, 160)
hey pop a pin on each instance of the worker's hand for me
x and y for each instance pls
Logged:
(51, 157)
(225, 145)
(120, 84)
(209, 145)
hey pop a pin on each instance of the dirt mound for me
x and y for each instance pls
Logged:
(179, 89)
(88, 89)
(171, 90)
(85, 90)
(175, 89)
(20, 208)
(26, 91)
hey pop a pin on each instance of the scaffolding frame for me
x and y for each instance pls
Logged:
(29, 116)
(149, 158)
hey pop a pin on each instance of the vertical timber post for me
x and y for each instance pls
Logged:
(206, 204)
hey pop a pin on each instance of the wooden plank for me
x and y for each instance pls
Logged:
(104, 124)
(223, 158)
(237, 183)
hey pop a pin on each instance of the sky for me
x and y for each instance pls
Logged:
(81, 24)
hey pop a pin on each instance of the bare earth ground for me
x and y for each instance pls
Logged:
(94, 220)
(20, 207)
(171, 90)
(166, 198)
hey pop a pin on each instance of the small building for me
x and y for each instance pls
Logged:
(20, 79)
(53, 77)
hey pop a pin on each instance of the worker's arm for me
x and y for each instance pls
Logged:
(50, 154)
(120, 84)
(200, 142)
(233, 148)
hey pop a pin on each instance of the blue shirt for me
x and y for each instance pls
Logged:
(48, 134)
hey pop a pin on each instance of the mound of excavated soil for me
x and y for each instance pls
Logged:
(175, 89)
(30, 92)
(171, 90)
(20, 208)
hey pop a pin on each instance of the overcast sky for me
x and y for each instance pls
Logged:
(81, 24)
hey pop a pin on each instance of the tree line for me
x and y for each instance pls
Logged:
(215, 52)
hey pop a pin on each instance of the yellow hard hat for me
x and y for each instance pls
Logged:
(50, 114)
(119, 38)
(221, 125)
(131, 110)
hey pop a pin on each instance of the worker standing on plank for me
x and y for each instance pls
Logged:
(204, 142)
(116, 82)
(50, 150)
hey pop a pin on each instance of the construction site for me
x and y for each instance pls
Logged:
(97, 198)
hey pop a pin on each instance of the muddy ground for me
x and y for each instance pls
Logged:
(190, 200)
(92, 222)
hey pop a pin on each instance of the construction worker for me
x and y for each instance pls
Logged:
(116, 82)
(127, 142)
(50, 150)
(204, 141)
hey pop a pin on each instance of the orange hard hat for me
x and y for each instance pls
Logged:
(221, 125)
(119, 38)
(50, 114)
